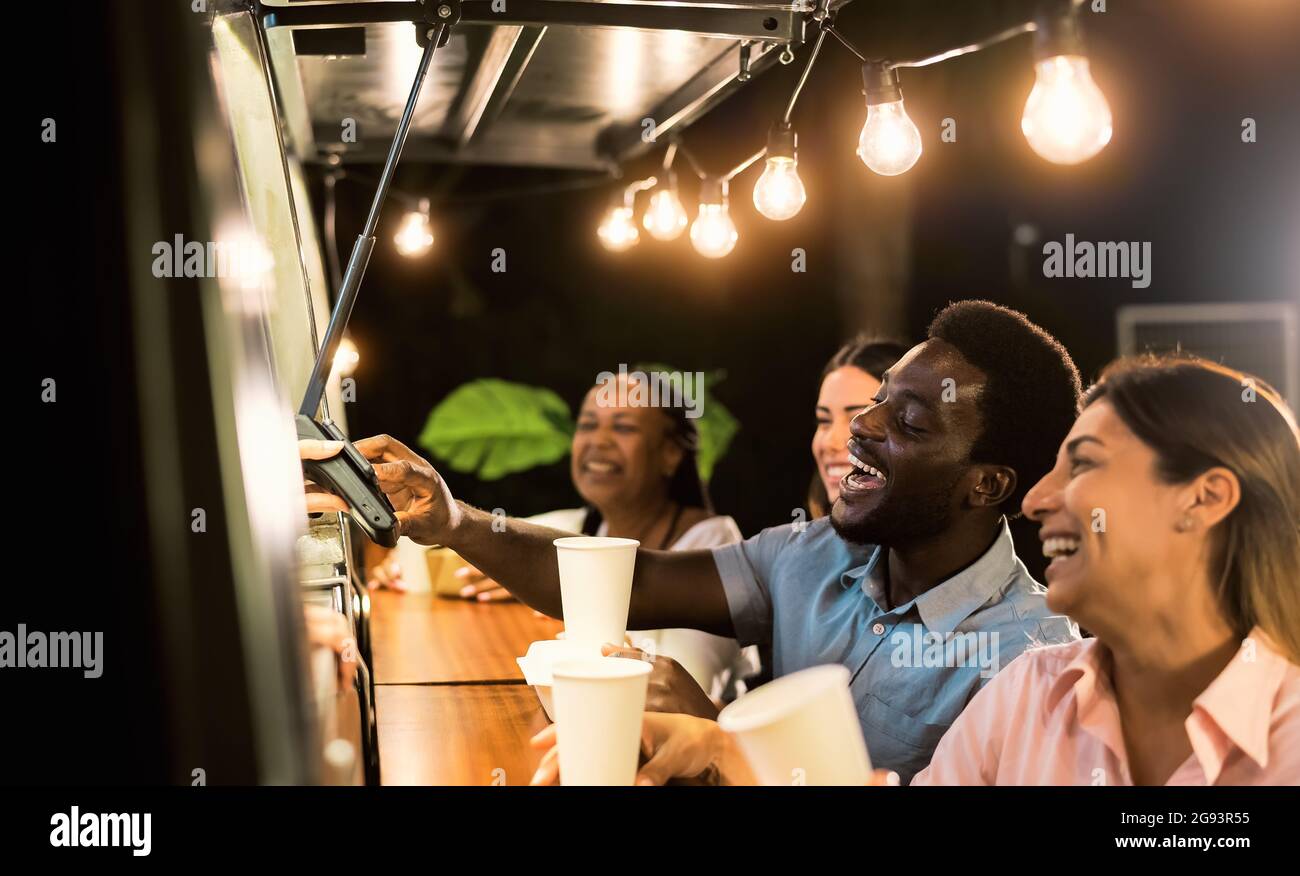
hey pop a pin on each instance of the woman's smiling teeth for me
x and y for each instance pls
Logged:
(1060, 546)
(599, 466)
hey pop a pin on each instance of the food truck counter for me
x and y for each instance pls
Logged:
(451, 702)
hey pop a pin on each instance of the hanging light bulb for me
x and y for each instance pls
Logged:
(665, 218)
(617, 230)
(1066, 119)
(346, 357)
(713, 234)
(415, 235)
(890, 143)
(779, 193)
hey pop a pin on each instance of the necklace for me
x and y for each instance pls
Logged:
(672, 527)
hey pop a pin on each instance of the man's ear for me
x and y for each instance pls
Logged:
(993, 485)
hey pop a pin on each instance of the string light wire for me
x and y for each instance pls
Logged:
(1049, 14)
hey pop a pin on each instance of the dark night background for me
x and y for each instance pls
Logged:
(1221, 216)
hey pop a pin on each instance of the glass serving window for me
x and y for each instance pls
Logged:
(275, 194)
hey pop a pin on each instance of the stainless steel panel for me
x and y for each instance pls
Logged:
(553, 96)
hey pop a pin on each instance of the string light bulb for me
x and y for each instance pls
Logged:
(890, 143)
(713, 233)
(1066, 118)
(665, 217)
(617, 231)
(415, 235)
(779, 193)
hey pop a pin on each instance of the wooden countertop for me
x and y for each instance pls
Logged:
(451, 703)
(419, 638)
(457, 734)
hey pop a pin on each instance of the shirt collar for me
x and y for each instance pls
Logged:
(1083, 675)
(1236, 710)
(1239, 705)
(1087, 676)
(859, 573)
(949, 603)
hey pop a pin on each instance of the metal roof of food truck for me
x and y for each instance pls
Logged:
(557, 83)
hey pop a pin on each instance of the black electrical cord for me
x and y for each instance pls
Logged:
(830, 29)
(812, 59)
(740, 168)
(1000, 37)
(690, 159)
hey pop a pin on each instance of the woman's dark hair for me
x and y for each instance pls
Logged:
(872, 355)
(685, 487)
(1197, 415)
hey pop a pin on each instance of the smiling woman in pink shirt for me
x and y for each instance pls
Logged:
(1173, 520)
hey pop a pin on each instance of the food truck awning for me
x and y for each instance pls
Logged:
(556, 83)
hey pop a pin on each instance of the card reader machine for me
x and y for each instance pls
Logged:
(350, 476)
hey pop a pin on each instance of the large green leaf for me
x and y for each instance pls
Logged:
(717, 427)
(715, 424)
(493, 428)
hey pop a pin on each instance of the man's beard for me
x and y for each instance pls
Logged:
(901, 520)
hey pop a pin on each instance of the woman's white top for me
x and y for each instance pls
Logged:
(717, 664)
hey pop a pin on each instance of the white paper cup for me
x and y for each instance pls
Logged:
(413, 558)
(536, 666)
(801, 729)
(599, 706)
(595, 587)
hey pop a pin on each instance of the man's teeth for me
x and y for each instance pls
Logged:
(838, 470)
(1060, 546)
(871, 470)
(600, 467)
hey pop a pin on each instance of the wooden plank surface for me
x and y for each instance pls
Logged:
(419, 638)
(457, 734)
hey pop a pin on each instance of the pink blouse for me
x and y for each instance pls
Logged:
(1050, 718)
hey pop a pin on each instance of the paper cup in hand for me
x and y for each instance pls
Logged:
(801, 729)
(595, 587)
(599, 706)
(536, 666)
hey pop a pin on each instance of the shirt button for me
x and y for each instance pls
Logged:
(878, 629)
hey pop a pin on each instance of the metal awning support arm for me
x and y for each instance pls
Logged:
(739, 20)
(430, 38)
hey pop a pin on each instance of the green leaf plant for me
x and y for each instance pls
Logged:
(491, 428)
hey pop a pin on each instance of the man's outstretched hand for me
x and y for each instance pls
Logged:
(671, 688)
(426, 510)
